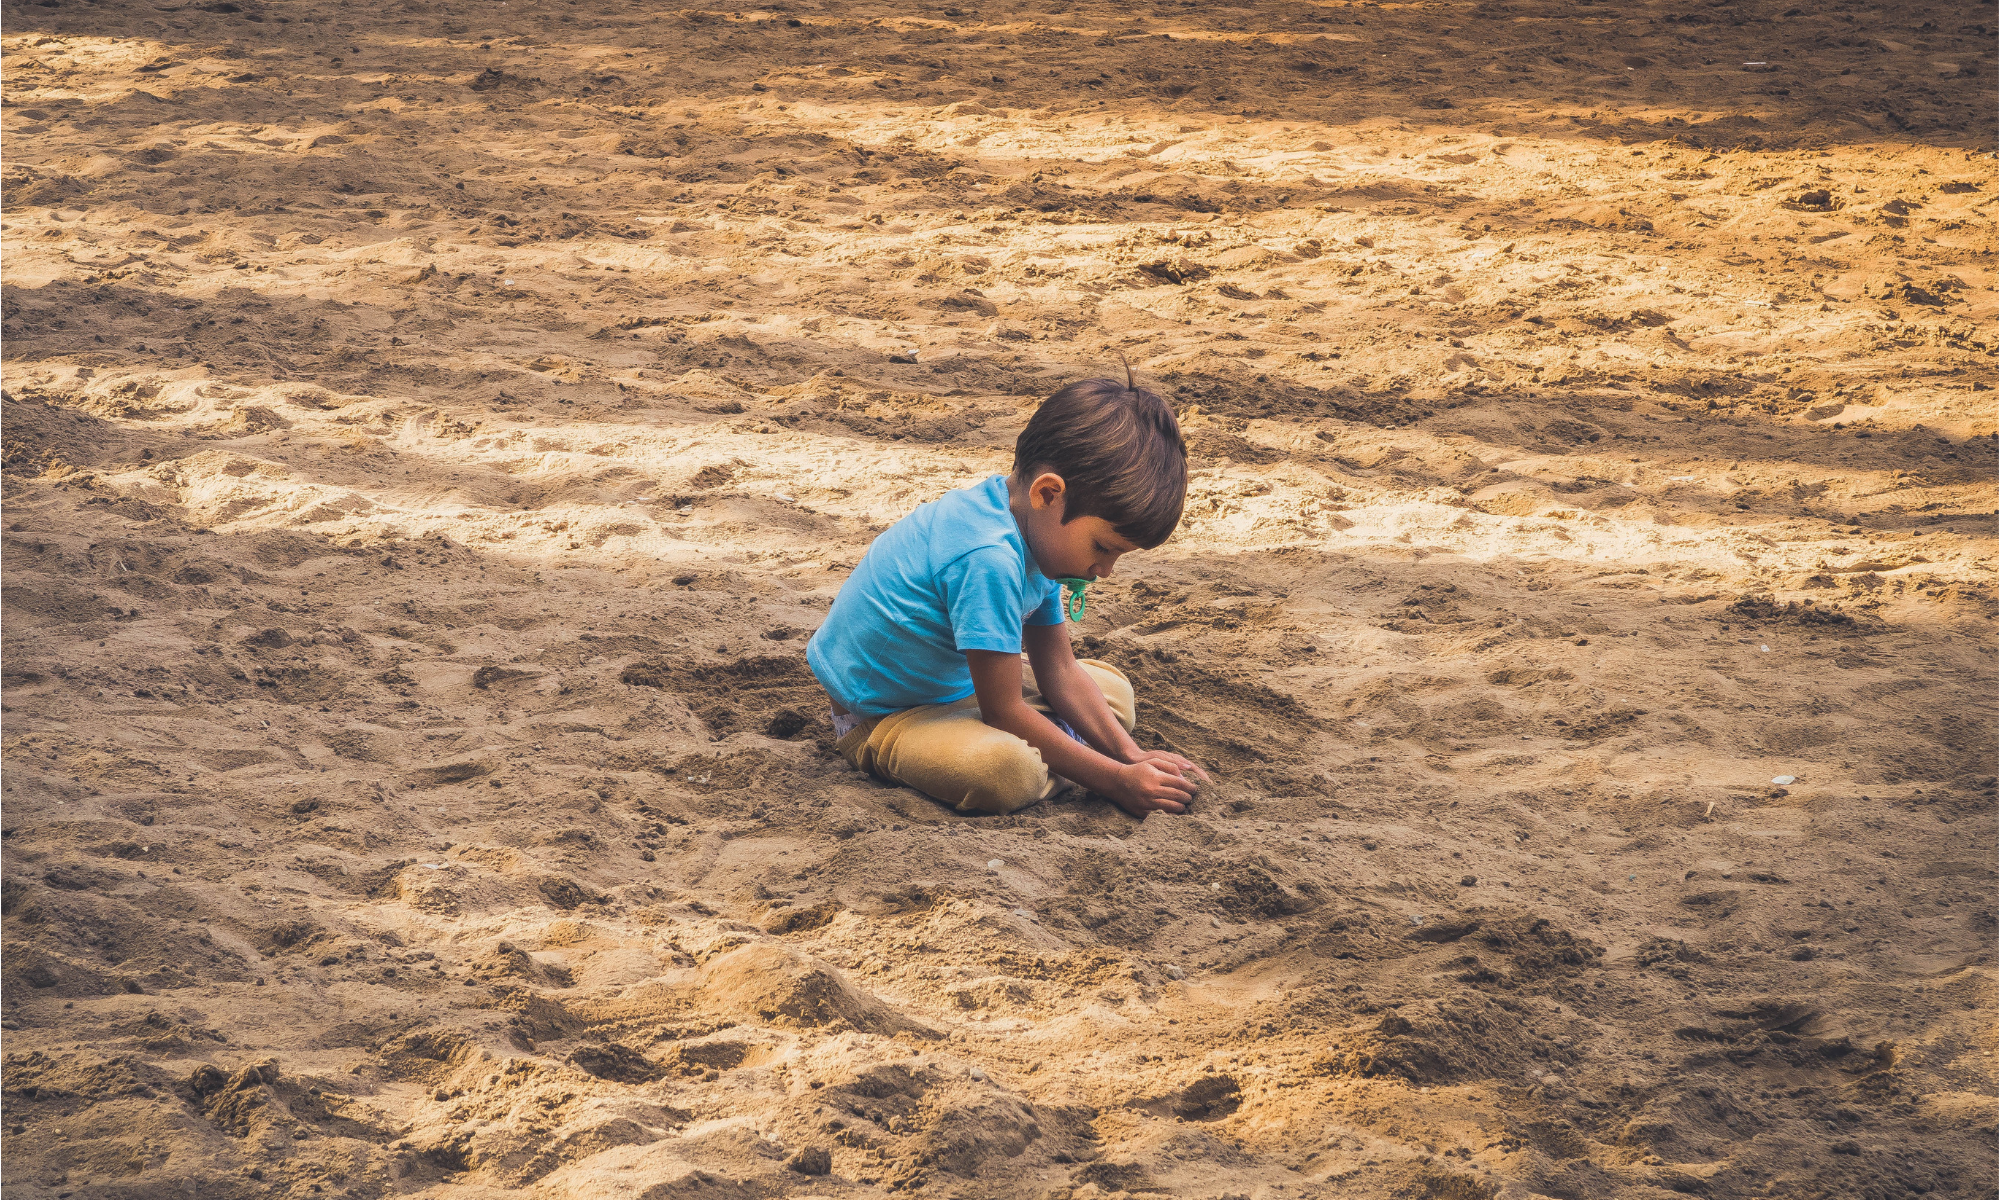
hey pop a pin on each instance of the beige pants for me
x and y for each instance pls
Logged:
(947, 752)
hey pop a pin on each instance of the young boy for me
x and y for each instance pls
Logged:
(921, 653)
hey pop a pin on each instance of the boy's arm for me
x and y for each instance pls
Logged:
(1077, 699)
(1073, 694)
(1137, 787)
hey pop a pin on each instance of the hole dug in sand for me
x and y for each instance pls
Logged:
(1208, 1098)
(619, 1064)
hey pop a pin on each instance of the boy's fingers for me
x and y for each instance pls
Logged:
(1141, 805)
(1169, 787)
(1182, 766)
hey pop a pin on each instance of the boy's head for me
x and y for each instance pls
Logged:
(1118, 453)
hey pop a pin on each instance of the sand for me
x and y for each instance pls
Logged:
(432, 430)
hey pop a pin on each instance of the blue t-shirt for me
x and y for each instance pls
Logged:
(954, 575)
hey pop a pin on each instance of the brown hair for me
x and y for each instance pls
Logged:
(1119, 452)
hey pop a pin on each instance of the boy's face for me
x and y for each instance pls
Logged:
(1086, 548)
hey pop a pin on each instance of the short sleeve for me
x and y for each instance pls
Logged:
(1050, 610)
(982, 596)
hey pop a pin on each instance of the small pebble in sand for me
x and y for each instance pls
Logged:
(993, 864)
(1785, 780)
(976, 1074)
(1176, 973)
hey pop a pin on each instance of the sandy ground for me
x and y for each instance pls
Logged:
(432, 428)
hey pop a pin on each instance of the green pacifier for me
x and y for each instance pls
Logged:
(1073, 598)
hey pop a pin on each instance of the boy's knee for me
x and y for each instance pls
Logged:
(1117, 690)
(1003, 778)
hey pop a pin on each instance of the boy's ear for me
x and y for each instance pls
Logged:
(1047, 490)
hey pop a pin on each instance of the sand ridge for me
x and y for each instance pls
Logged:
(432, 430)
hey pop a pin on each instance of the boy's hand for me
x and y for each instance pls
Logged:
(1154, 783)
(1169, 761)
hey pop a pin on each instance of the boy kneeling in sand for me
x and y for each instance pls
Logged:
(921, 653)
